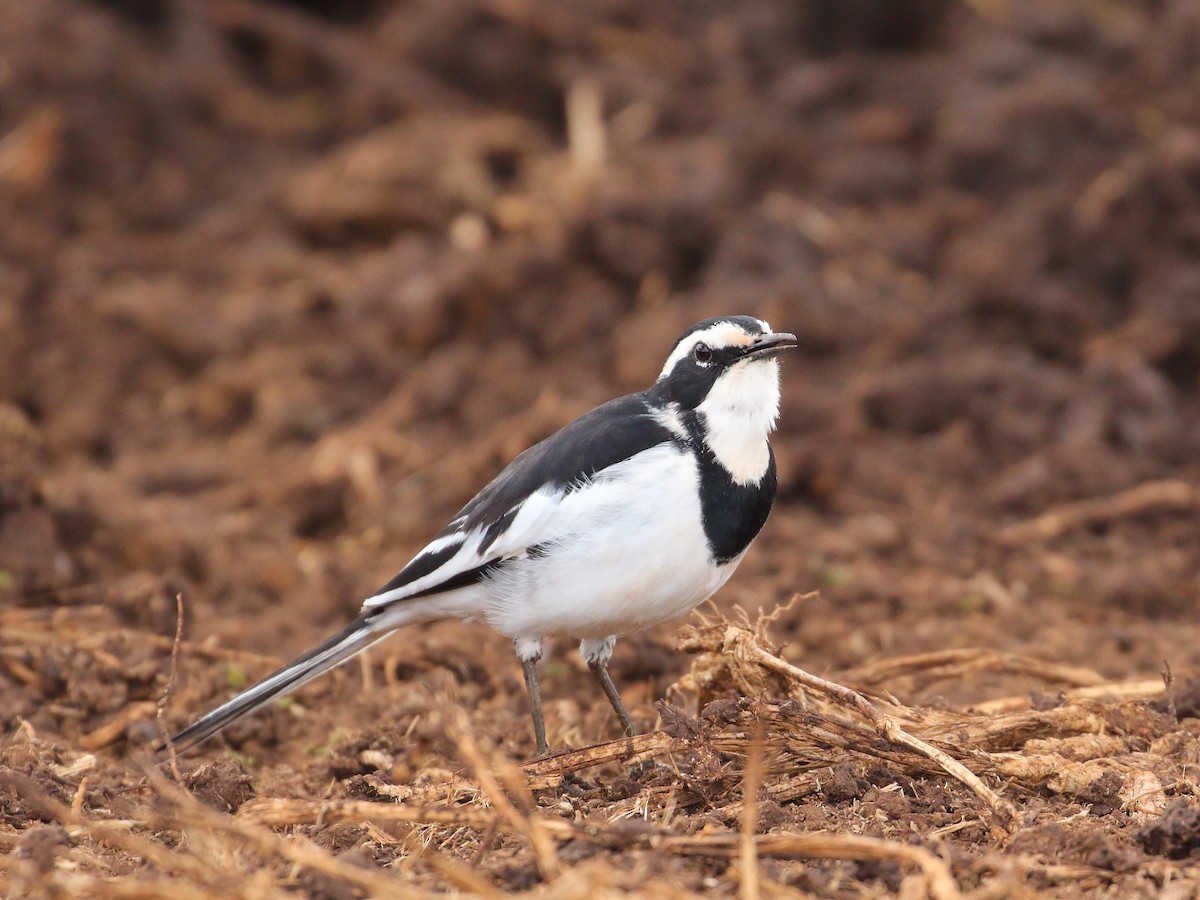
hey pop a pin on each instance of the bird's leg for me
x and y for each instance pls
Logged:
(535, 703)
(529, 653)
(600, 673)
(596, 654)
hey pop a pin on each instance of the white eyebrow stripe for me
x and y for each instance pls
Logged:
(717, 335)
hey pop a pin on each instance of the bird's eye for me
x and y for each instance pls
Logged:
(702, 352)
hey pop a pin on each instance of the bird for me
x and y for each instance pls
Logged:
(629, 516)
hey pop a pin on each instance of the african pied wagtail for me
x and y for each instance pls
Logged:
(631, 515)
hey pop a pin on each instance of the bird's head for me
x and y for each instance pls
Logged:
(723, 372)
(732, 355)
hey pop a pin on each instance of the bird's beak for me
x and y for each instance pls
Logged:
(768, 345)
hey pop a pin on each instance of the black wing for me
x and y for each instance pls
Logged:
(503, 519)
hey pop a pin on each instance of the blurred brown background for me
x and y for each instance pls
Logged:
(283, 283)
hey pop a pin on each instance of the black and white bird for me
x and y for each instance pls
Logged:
(631, 515)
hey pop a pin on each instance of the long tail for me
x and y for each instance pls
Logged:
(355, 637)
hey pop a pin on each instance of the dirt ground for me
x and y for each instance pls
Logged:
(283, 283)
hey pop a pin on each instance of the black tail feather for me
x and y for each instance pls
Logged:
(352, 639)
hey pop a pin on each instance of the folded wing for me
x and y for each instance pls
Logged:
(508, 517)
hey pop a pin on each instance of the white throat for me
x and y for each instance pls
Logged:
(739, 414)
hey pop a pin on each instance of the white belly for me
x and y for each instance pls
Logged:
(622, 553)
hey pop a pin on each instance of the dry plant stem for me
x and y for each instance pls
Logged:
(1010, 731)
(80, 796)
(115, 728)
(1168, 494)
(281, 813)
(526, 824)
(190, 813)
(741, 642)
(751, 781)
(462, 877)
(163, 731)
(368, 673)
(1116, 690)
(116, 835)
(548, 771)
(793, 787)
(586, 135)
(940, 881)
(55, 633)
(22, 673)
(955, 663)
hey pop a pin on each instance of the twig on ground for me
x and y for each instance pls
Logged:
(114, 729)
(54, 632)
(1010, 731)
(741, 642)
(939, 880)
(367, 671)
(277, 812)
(117, 835)
(169, 689)
(751, 781)
(549, 770)
(80, 796)
(941, 883)
(1113, 691)
(527, 823)
(188, 812)
(956, 663)
(462, 877)
(1150, 496)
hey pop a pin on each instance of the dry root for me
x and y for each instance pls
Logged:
(1066, 750)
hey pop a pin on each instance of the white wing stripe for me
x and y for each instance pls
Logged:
(438, 544)
(522, 532)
